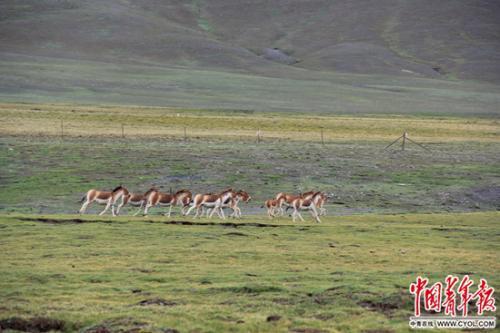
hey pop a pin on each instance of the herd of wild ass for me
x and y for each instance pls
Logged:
(210, 203)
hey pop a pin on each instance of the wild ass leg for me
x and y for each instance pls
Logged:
(190, 209)
(140, 208)
(146, 209)
(322, 211)
(314, 213)
(221, 215)
(120, 206)
(297, 213)
(220, 212)
(106, 208)
(84, 206)
(169, 211)
(281, 211)
(198, 211)
(212, 211)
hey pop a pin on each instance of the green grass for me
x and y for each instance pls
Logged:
(231, 279)
(49, 175)
(108, 121)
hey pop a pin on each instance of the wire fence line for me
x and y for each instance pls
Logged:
(65, 129)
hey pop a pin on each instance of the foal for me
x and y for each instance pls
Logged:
(272, 207)
(240, 196)
(183, 198)
(104, 198)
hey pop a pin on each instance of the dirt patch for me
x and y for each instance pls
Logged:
(98, 329)
(252, 289)
(386, 307)
(273, 318)
(379, 330)
(489, 195)
(236, 234)
(222, 224)
(475, 198)
(174, 222)
(117, 325)
(36, 324)
(170, 330)
(157, 301)
(55, 221)
(328, 296)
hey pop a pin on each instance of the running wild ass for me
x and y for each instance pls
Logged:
(272, 207)
(240, 196)
(104, 198)
(136, 200)
(212, 201)
(306, 203)
(157, 198)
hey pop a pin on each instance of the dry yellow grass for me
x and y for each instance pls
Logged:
(82, 121)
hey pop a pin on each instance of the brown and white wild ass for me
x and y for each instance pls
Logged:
(302, 203)
(211, 201)
(183, 198)
(135, 200)
(285, 200)
(240, 196)
(320, 202)
(104, 198)
(155, 197)
(272, 207)
(233, 203)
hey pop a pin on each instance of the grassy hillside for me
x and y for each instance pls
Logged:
(48, 80)
(399, 57)
(424, 38)
(349, 274)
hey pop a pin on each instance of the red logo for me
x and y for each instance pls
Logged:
(433, 296)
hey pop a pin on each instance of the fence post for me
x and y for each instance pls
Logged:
(322, 139)
(185, 133)
(62, 129)
(258, 135)
(123, 131)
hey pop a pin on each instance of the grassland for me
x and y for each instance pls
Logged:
(150, 122)
(348, 274)
(42, 172)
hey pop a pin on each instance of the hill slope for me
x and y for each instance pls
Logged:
(387, 56)
(426, 38)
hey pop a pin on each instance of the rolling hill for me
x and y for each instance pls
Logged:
(286, 39)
